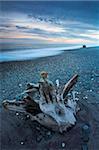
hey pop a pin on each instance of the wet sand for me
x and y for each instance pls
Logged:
(19, 133)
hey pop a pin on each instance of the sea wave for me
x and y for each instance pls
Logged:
(28, 54)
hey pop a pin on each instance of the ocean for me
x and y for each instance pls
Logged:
(13, 52)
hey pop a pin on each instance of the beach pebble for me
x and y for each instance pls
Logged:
(28, 116)
(22, 143)
(90, 90)
(69, 94)
(17, 114)
(76, 99)
(3, 91)
(85, 97)
(92, 79)
(57, 83)
(48, 133)
(63, 144)
(20, 85)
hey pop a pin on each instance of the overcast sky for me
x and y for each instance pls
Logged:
(51, 22)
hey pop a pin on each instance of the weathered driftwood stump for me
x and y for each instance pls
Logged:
(48, 107)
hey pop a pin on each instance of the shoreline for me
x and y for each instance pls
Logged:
(14, 56)
(58, 51)
(29, 54)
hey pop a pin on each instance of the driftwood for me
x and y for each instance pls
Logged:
(49, 109)
(69, 85)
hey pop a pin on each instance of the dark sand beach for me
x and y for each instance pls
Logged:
(19, 133)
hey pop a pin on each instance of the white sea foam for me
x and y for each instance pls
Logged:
(28, 54)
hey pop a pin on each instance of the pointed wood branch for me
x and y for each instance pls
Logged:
(69, 85)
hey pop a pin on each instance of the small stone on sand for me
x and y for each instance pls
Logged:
(20, 85)
(48, 133)
(28, 116)
(21, 142)
(85, 97)
(90, 90)
(63, 144)
(17, 114)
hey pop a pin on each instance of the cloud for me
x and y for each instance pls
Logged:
(21, 27)
(47, 29)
